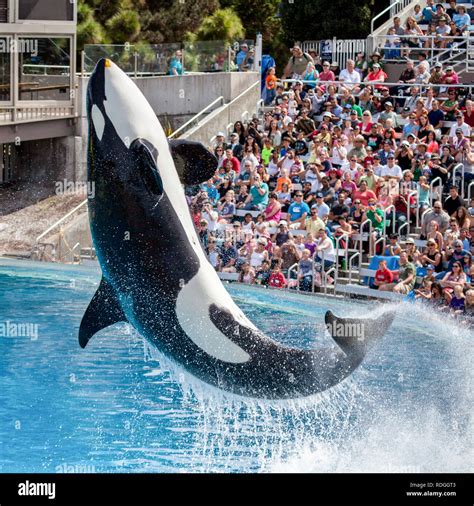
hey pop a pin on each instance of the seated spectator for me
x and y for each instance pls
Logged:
(226, 208)
(432, 256)
(454, 277)
(457, 302)
(364, 194)
(383, 275)
(228, 254)
(406, 277)
(297, 211)
(462, 19)
(305, 271)
(277, 278)
(262, 274)
(393, 248)
(392, 45)
(247, 274)
(424, 293)
(213, 255)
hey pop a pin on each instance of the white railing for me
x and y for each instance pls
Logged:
(60, 221)
(292, 269)
(392, 10)
(459, 167)
(354, 256)
(194, 119)
(18, 114)
(432, 190)
(341, 50)
(469, 191)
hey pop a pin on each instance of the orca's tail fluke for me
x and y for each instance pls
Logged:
(356, 335)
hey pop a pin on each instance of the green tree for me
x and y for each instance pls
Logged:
(257, 17)
(320, 19)
(125, 26)
(223, 24)
(89, 31)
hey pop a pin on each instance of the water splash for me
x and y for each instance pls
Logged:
(348, 428)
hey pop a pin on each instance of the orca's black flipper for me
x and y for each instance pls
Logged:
(194, 163)
(103, 310)
(356, 335)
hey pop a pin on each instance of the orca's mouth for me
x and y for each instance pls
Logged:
(96, 93)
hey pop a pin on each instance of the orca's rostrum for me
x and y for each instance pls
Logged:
(155, 273)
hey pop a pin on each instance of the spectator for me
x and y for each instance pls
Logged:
(176, 67)
(383, 276)
(297, 63)
(406, 277)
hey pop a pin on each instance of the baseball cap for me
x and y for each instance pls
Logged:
(319, 195)
(389, 103)
(328, 114)
(457, 243)
(450, 67)
(405, 143)
(438, 65)
(459, 130)
(410, 241)
(430, 267)
(376, 65)
(348, 106)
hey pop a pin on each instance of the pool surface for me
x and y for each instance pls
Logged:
(116, 406)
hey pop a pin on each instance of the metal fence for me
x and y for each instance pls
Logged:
(155, 59)
(335, 50)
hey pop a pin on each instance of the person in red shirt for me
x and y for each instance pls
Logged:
(364, 194)
(277, 279)
(326, 74)
(383, 275)
(229, 155)
(469, 113)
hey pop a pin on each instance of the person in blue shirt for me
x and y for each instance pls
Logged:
(462, 19)
(298, 211)
(176, 67)
(428, 11)
(241, 56)
(211, 190)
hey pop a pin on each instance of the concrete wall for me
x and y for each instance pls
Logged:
(184, 95)
(46, 161)
(220, 118)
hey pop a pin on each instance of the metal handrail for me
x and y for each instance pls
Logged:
(353, 256)
(409, 195)
(345, 235)
(385, 83)
(244, 116)
(392, 207)
(402, 226)
(456, 168)
(260, 107)
(57, 223)
(432, 189)
(229, 128)
(393, 8)
(362, 234)
(290, 270)
(423, 216)
(471, 184)
(200, 113)
(325, 277)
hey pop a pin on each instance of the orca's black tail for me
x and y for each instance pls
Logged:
(356, 335)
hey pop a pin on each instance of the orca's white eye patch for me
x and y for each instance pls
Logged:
(98, 121)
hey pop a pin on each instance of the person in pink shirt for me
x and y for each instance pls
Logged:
(364, 194)
(450, 77)
(326, 74)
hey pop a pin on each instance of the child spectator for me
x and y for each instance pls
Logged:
(277, 279)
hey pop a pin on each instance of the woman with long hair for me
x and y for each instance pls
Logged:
(239, 129)
(462, 217)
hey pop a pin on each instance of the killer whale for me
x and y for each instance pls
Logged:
(155, 273)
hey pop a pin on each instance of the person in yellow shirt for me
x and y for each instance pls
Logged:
(314, 223)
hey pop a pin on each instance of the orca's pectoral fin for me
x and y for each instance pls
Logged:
(194, 163)
(355, 335)
(104, 310)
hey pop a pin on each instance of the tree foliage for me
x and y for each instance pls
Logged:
(224, 24)
(320, 19)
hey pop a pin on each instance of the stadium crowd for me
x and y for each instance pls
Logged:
(336, 161)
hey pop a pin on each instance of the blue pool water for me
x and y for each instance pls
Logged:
(117, 407)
